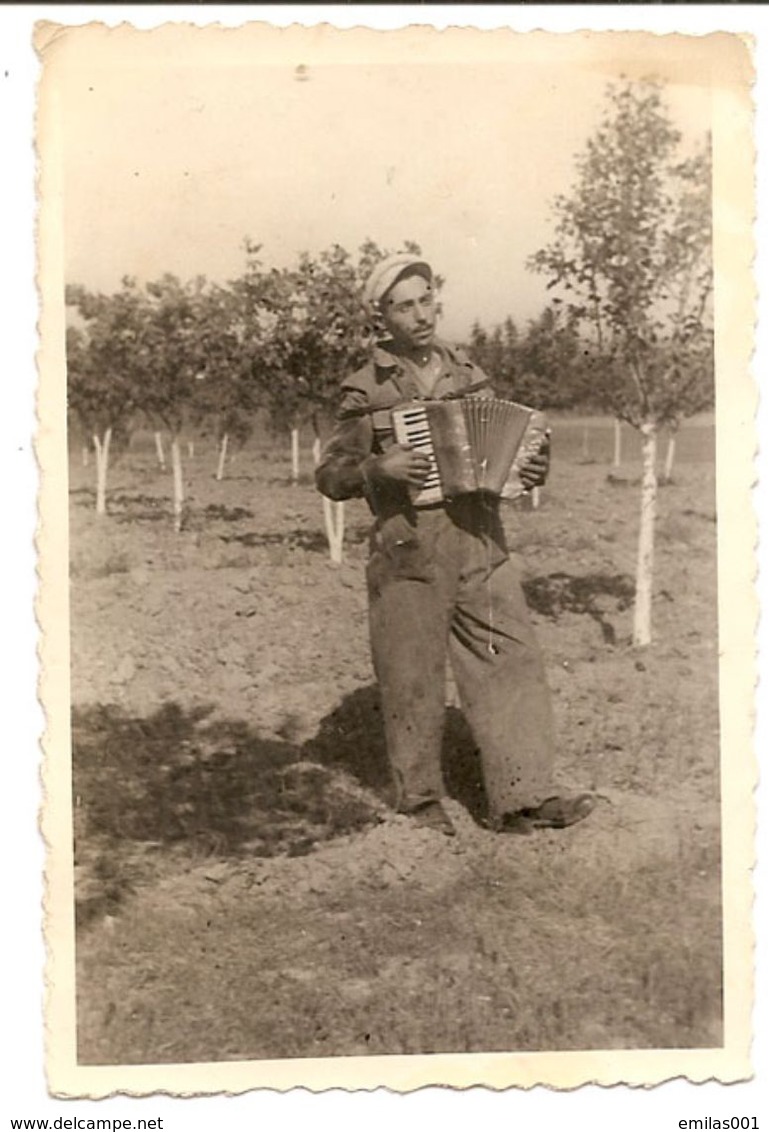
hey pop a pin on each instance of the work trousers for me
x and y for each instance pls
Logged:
(442, 587)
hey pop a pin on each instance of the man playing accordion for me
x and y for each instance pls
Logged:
(441, 584)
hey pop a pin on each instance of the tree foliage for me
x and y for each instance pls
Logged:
(310, 326)
(194, 354)
(632, 257)
(547, 367)
(225, 397)
(103, 365)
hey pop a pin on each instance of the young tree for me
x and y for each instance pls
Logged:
(319, 337)
(632, 254)
(265, 302)
(159, 450)
(171, 355)
(225, 397)
(101, 369)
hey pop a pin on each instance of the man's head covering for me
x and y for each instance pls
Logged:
(387, 273)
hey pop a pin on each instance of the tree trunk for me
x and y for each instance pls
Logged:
(191, 449)
(295, 455)
(670, 456)
(101, 447)
(86, 456)
(222, 456)
(176, 464)
(159, 449)
(642, 629)
(333, 516)
(535, 500)
(617, 442)
(585, 442)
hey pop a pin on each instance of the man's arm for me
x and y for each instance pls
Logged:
(349, 468)
(340, 473)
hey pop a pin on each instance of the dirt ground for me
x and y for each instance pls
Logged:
(244, 889)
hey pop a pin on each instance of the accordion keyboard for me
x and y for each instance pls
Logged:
(411, 428)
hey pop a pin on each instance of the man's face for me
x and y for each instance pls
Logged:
(408, 310)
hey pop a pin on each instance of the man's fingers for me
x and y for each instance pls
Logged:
(416, 479)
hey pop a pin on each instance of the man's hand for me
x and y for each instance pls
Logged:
(534, 472)
(402, 464)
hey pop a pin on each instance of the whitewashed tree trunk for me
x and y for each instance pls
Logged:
(86, 456)
(670, 456)
(101, 448)
(176, 464)
(535, 498)
(617, 442)
(642, 620)
(222, 456)
(159, 450)
(333, 516)
(191, 449)
(295, 455)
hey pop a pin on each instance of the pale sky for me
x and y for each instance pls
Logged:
(175, 150)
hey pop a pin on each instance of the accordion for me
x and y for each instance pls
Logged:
(474, 444)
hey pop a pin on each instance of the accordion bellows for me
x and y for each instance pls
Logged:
(474, 444)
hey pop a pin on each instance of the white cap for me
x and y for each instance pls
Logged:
(387, 273)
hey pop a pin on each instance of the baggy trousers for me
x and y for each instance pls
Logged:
(442, 587)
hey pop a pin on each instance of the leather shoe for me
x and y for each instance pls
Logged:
(553, 813)
(433, 816)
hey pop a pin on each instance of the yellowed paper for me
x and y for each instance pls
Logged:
(382, 956)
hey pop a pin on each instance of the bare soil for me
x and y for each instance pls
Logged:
(244, 889)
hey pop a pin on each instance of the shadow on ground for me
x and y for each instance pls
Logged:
(184, 781)
(597, 595)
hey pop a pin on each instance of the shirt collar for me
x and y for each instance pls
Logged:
(384, 358)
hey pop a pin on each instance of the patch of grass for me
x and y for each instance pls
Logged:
(363, 971)
(298, 538)
(117, 562)
(708, 516)
(674, 529)
(236, 561)
(227, 514)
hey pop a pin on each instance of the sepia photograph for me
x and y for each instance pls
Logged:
(396, 441)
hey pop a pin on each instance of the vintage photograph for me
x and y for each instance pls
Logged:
(396, 432)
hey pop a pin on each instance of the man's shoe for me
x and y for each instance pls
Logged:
(553, 813)
(433, 816)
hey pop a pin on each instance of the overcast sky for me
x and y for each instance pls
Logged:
(175, 150)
